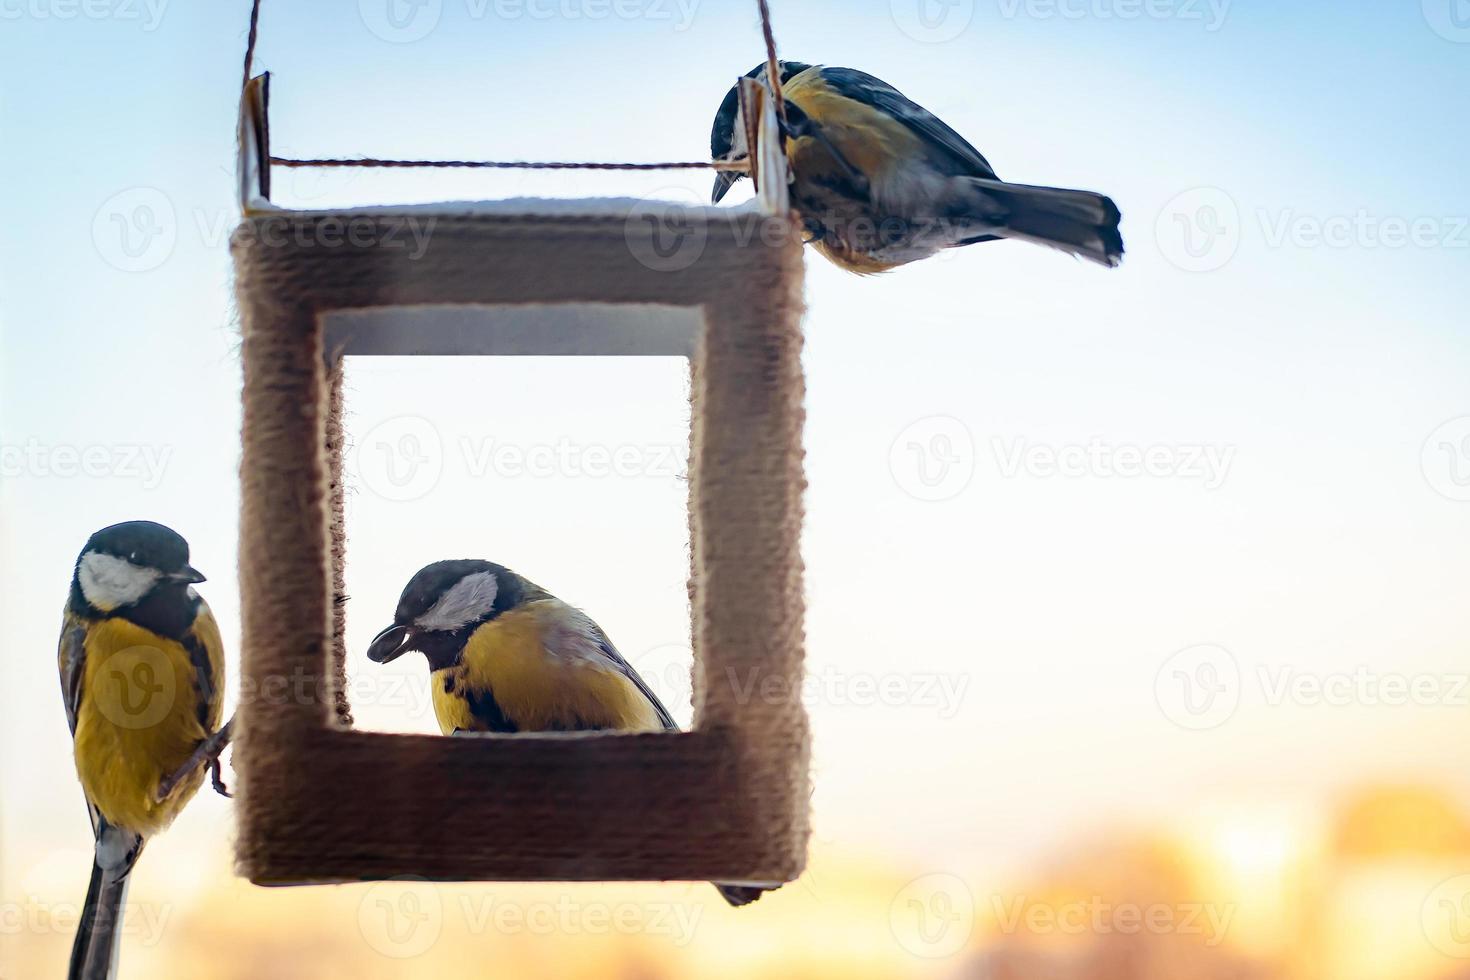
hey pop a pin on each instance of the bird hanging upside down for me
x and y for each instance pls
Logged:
(507, 656)
(880, 181)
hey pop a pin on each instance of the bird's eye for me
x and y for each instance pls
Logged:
(133, 557)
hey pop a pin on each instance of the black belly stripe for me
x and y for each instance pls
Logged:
(486, 710)
(578, 724)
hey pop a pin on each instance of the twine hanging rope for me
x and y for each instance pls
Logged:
(773, 63)
(739, 165)
(250, 43)
(773, 78)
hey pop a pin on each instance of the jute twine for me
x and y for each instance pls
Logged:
(773, 81)
(319, 802)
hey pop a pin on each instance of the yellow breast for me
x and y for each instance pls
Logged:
(871, 142)
(138, 721)
(870, 139)
(543, 673)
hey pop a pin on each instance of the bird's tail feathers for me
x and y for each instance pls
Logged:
(1080, 223)
(94, 952)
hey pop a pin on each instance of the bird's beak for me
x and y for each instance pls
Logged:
(724, 180)
(188, 575)
(389, 645)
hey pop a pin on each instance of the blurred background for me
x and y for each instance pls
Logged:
(1137, 621)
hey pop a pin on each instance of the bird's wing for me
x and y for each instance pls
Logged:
(71, 658)
(207, 655)
(935, 133)
(626, 669)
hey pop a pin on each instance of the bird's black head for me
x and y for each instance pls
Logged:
(442, 604)
(727, 138)
(124, 564)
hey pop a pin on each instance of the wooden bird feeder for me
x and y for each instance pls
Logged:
(321, 802)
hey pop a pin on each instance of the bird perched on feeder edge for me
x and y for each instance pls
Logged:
(507, 656)
(142, 672)
(879, 181)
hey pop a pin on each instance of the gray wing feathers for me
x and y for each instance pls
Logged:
(71, 659)
(626, 669)
(934, 131)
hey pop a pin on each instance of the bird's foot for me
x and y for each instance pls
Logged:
(206, 752)
(214, 747)
(217, 779)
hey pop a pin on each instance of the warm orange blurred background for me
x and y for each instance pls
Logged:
(1374, 890)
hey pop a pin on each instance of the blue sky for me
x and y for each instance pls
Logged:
(1292, 143)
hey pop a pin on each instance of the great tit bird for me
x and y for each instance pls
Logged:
(879, 181)
(506, 656)
(142, 670)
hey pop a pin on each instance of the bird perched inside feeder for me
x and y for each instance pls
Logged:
(507, 656)
(880, 181)
(142, 672)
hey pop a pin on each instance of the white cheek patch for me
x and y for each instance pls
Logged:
(469, 599)
(108, 582)
(738, 149)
